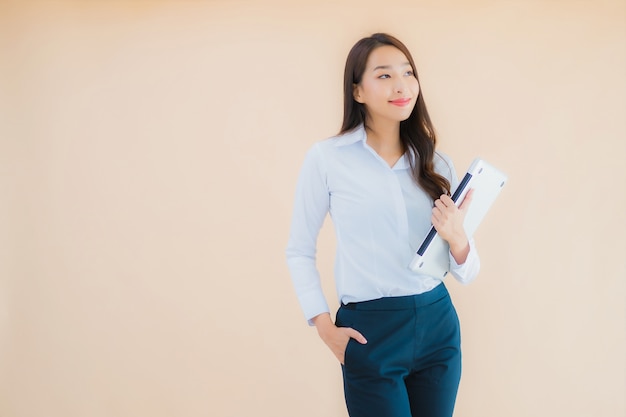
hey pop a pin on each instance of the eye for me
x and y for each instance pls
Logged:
(384, 76)
(409, 73)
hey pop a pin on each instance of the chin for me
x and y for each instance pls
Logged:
(403, 117)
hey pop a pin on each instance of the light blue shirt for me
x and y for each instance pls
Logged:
(379, 215)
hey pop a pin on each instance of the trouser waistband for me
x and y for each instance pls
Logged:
(401, 303)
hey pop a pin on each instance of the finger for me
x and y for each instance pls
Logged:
(467, 200)
(435, 222)
(446, 200)
(440, 206)
(440, 213)
(434, 219)
(341, 357)
(439, 223)
(356, 335)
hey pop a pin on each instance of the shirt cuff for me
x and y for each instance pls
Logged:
(467, 271)
(313, 304)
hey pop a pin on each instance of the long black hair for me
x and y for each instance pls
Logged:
(416, 133)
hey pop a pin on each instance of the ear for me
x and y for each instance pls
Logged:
(356, 93)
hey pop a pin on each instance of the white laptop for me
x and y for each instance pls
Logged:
(432, 257)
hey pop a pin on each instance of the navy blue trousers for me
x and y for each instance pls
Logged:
(411, 364)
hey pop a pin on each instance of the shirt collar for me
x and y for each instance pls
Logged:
(358, 135)
(355, 135)
(403, 162)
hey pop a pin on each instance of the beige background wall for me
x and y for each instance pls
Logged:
(148, 157)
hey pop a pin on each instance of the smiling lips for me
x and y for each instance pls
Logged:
(401, 102)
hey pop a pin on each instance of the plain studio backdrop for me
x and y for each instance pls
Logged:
(148, 157)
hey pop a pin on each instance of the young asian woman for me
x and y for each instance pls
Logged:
(396, 333)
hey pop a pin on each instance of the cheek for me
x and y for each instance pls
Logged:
(415, 87)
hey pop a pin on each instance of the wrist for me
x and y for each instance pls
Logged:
(459, 249)
(458, 242)
(323, 324)
(322, 321)
(459, 246)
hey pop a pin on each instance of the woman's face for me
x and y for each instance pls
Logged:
(388, 87)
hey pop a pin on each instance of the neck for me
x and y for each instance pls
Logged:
(384, 136)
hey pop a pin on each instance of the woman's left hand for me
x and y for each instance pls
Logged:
(448, 221)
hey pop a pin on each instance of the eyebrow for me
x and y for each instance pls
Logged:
(389, 66)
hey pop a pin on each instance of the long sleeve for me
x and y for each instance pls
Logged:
(311, 206)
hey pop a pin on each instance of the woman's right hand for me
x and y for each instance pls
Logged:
(336, 338)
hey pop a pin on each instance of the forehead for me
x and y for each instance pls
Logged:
(386, 56)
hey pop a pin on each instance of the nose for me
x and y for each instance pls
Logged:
(400, 85)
